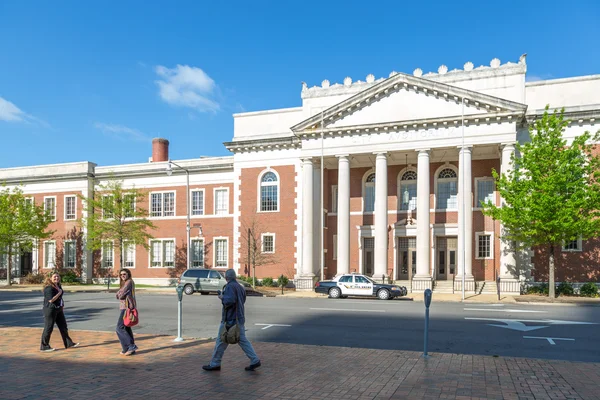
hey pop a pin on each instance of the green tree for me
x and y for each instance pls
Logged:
(115, 215)
(22, 222)
(254, 252)
(551, 195)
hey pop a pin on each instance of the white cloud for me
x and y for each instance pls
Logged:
(186, 86)
(11, 113)
(122, 132)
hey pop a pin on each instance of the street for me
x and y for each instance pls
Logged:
(518, 330)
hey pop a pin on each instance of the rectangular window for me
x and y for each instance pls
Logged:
(162, 253)
(197, 202)
(485, 191)
(128, 205)
(369, 197)
(107, 255)
(334, 198)
(50, 207)
(162, 204)
(129, 254)
(197, 253)
(408, 196)
(29, 202)
(221, 253)
(334, 247)
(70, 254)
(484, 246)
(49, 254)
(221, 201)
(268, 243)
(3, 258)
(70, 207)
(447, 195)
(572, 245)
(108, 206)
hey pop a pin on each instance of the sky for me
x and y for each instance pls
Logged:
(96, 81)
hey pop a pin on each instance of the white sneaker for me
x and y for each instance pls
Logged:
(48, 350)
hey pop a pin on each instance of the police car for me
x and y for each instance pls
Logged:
(345, 285)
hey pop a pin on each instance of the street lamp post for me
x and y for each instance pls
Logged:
(187, 197)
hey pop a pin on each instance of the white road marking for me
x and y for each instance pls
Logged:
(267, 326)
(518, 324)
(17, 310)
(549, 339)
(95, 301)
(344, 309)
(505, 310)
(34, 300)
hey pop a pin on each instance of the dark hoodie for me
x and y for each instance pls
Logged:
(234, 297)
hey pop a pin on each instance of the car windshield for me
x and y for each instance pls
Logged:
(370, 280)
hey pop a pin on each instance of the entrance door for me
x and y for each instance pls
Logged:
(26, 264)
(407, 258)
(368, 255)
(446, 258)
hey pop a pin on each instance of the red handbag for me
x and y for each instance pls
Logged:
(131, 317)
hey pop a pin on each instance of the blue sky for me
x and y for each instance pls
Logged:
(95, 81)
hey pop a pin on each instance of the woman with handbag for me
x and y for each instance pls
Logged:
(126, 296)
(53, 313)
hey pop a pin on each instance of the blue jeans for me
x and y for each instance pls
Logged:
(244, 343)
(125, 334)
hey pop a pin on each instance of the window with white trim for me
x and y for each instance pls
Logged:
(70, 255)
(334, 198)
(268, 243)
(197, 202)
(485, 245)
(447, 190)
(162, 253)
(3, 257)
(408, 190)
(334, 247)
(108, 254)
(108, 201)
(29, 202)
(572, 245)
(50, 207)
(369, 193)
(269, 192)
(128, 205)
(70, 207)
(221, 201)
(50, 254)
(129, 254)
(198, 253)
(162, 204)
(485, 191)
(221, 253)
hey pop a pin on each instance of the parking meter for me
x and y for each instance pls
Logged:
(427, 300)
(498, 287)
(179, 292)
(179, 312)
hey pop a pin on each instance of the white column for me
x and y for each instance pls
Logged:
(423, 245)
(381, 218)
(307, 221)
(343, 215)
(465, 215)
(316, 221)
(507, 252)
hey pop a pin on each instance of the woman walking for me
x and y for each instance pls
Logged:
(126, 295)
(53, 313)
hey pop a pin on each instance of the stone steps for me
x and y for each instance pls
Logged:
(444, 287)
(487, 287)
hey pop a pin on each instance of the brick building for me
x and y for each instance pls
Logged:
(363, 176)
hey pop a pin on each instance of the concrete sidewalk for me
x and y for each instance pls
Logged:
(165, 369)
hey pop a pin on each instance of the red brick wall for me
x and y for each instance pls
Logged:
(571, 266)
(281, 223)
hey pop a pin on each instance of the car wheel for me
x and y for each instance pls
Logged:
(335, 293)
(383, 294)
(188, 289)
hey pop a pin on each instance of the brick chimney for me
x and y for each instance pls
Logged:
(160, 150)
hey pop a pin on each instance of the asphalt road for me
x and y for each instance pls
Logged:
(550, 332)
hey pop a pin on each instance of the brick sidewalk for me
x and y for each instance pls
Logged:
(164, 369)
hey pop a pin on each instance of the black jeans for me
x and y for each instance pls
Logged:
(125, 334)
(52, 316)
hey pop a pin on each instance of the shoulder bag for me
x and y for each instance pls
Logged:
(231, 335)
(131, 317)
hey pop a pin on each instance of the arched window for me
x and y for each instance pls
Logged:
(447, 189)
(369, 193)
(408, 190)
(269, 192)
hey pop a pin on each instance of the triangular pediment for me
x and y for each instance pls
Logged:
(408, 98)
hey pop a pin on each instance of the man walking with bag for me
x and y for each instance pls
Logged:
(231, 330)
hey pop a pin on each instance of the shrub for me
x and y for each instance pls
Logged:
(282, 281)
(34, 279)
(267, 282)
(539, 289)
(589, 290)
(565, 289)
(251, 281)
(69, 277)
